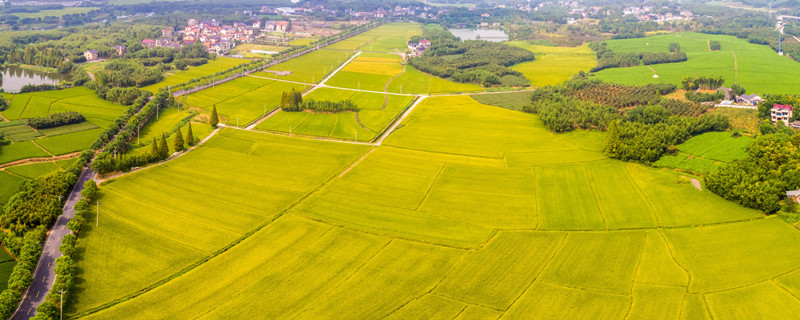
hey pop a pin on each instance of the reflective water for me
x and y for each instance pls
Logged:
(15, 77)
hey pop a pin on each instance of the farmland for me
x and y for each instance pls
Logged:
(213, 66)
(756, 67)
(466, 210)
(554, 65)
(390, 37)
(28, 143)
(704, 153)
(375, 114)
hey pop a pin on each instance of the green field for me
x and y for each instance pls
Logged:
(554, 65)
(310, 67)
(376, 113)
(245, 99)
(466, 211)
(213, 66)
(756, 67)
(55, 13)
(390, 37)
(98, 113)
(704, 153)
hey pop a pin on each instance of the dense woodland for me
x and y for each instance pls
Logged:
(481, 62)
(56, 120)
(759, 181)
(642, 134)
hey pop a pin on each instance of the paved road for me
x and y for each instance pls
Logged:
(44, 276)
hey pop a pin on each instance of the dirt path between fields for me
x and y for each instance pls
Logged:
(708, 43)
(43, 149)
(37, 160)
(386, 88)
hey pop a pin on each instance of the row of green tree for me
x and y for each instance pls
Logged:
(702, 82)
(56, 120)
(607, 58)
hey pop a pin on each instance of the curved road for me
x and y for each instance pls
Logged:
(44, 276)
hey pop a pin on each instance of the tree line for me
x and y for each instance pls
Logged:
(56, 120)
(474, 61)
(760, 180)
(607, 58)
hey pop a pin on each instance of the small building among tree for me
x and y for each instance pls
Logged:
(793, 195)
(121, 50)
(91, 55)
(781, 113)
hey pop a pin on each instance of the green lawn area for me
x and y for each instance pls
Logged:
(213, 66)
(756, 67)
(310, 67)
(704, 153)
(554, 65)
(55, 13)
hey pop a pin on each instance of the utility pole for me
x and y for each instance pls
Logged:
(97, 220)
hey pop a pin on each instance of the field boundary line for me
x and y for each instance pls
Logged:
(399, 120)
(536, 278)
(444, 153)
(328, 293)
(462, 301)
(262, 118)
(753, 283)
(358, 120)
(777, 284)
(592, 290)
(389, 236)
(594, 195)
(636, 274)
(708, 309)
(345, 171)
(40, 147)
(674, 259)
(24, 108)
(335, 122)
(433, 183)
(641, 194)
(334, 72)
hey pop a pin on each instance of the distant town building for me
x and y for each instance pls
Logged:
(167, 32)
(192, 22)
(795, 125)
(91, 55)
(781, 113)
(121, 50)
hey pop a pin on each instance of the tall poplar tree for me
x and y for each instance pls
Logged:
(214, 121)
(189, 136)
(178, 141)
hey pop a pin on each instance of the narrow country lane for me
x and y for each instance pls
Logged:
(44, 275)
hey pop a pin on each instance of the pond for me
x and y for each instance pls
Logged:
(15, 77)
(480, 34)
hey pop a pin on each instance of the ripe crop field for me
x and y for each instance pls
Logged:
(466, 211)
(554, 65)
(756, 67)
(232, 208)
(390, 37)
(375, 114)
(704, 153)
(213, 66)
(416, 82)
(369, 71)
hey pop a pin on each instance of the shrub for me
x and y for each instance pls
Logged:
(56, 120)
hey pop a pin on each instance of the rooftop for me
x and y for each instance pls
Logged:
(782, 107)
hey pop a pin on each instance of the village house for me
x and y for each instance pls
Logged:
(793, 195)
(795, 125)
(750, 99)
(282, 26)
(782, 113)
(121, 50)
(167, 32)
(91, 55)
(148, 43)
